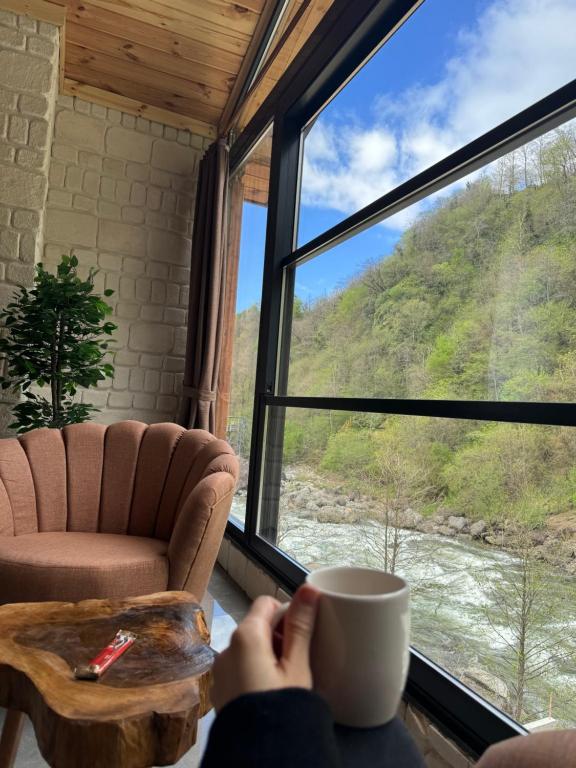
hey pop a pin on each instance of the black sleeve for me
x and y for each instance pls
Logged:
(290, 728)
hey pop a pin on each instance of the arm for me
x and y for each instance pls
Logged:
(198, 532)
(267, 715)
(289, 728)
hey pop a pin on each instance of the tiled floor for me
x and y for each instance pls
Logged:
(228, 606)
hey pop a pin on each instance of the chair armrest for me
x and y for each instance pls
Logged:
(198, 533)
(548, 749)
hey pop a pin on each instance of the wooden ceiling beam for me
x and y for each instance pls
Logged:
(139, 109)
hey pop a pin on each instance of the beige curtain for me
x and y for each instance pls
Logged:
(207, 292)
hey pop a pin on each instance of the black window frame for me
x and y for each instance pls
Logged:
(311, 81)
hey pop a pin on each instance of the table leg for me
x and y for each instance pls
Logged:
(10, 738)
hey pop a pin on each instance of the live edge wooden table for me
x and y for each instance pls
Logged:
(144, 710)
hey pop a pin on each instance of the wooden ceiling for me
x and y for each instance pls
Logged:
(185, 63)
(180, 57)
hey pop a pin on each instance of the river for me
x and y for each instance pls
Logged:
(466, 600)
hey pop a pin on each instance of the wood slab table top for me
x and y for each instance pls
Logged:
(142, 712)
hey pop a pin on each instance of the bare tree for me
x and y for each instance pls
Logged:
(526, 615)
(404, 485)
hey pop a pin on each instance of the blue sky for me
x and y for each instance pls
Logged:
(454, 70)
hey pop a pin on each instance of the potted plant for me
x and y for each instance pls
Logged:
(57, 335)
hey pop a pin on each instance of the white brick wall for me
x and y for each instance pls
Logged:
(121, 197)
(116, 191)
(28, 82)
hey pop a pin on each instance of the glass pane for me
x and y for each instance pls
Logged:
(469, 294)
(452, 72)
(248, 201)
(479, 517)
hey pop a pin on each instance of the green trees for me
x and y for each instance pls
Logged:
(477, 301)
(54, 338)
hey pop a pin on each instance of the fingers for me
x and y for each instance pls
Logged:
(264, 607)
(257, 625)
(299, 626)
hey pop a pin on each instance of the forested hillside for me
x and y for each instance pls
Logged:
(476, 302)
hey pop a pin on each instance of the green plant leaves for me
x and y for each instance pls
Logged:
(53, 339)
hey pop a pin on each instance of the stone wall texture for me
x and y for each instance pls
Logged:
(438, 749)
(121, 198)
(28, 83)
(114, 190)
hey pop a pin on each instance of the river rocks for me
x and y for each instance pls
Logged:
(478, 529)
(538, 537)
(459, 524)
(337, 515)
(428, 526)
(308, 497)
(411, 519)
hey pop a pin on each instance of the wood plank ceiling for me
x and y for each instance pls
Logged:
(186, 63)
(171, 60)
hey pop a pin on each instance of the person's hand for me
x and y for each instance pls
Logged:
(249, 664)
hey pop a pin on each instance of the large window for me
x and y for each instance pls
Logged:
(416, 384)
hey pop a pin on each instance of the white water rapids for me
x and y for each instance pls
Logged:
(464, 607)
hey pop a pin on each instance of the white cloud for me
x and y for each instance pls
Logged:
(343, 166)
(518, 52)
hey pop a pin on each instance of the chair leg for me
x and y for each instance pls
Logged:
(10, 739)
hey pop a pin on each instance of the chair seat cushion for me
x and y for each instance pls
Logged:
(78, 566)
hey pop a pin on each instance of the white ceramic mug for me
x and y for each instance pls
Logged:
(360, 648)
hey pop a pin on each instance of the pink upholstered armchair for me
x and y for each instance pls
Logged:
(91, 511)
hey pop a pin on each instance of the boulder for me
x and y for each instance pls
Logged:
(411, 519)
(457, 523)
(478, 528)
(336, 515)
